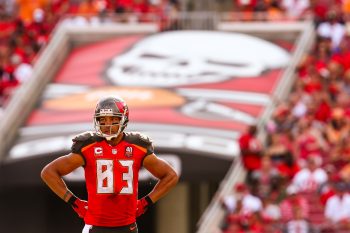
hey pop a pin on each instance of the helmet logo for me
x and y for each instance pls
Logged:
(120, 106)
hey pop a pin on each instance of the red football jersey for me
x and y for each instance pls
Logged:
(111, 176)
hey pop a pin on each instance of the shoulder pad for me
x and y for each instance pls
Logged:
(84, 139)
(83, 136)
(138, 136)
(140, 139)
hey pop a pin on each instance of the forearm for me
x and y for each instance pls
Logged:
(55, 182)
(53, 172)
(164, 185)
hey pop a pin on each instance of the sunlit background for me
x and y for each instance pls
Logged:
(197, 75)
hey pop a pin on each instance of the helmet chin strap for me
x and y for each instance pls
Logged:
(110, 137)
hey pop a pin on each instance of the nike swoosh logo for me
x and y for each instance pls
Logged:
(132, 228)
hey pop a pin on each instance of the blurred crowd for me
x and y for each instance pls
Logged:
(298, 180)
(26, 26)
(290, 9)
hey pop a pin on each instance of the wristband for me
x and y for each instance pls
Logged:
(71, 200)
(149, 200)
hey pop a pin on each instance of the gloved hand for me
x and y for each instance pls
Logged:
(142, 205)
(78, 205)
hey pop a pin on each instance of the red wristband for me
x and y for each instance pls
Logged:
(149, 200)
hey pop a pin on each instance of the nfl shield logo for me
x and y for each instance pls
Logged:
(114, 151)
(128, 151)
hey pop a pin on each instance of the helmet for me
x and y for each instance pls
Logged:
(111, 106)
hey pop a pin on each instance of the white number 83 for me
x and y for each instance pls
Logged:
(105, 176)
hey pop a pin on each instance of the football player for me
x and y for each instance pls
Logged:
(111, 159)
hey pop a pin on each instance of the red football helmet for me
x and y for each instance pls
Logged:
(111, 106)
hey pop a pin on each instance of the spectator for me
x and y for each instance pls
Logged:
(344, 173)
(58, 8)
(274, 10)
(345, 89)
(88, 8)
(337, 209)
(281, 120)
(39, 28)
(27, 7)
(298, 224)
(234, 227)
(311, 177)
(7, 27)
(246, 5)
(309, 140)
(337, 128)
(346, 9)
(299, 108)
(271, 211)
(278, 149)
(340, 154)
(319, 9)
(251, 150)
(266, 178)
(292, 202)
(323, 110)
(295, 8)
(253, 223)
(339, 63)
(249, 202)
(332, 29)
(289, 168)
(8, 7)
(326, 191)
(22, 70)
(123, 6)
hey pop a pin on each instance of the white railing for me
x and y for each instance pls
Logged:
(213, 216)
